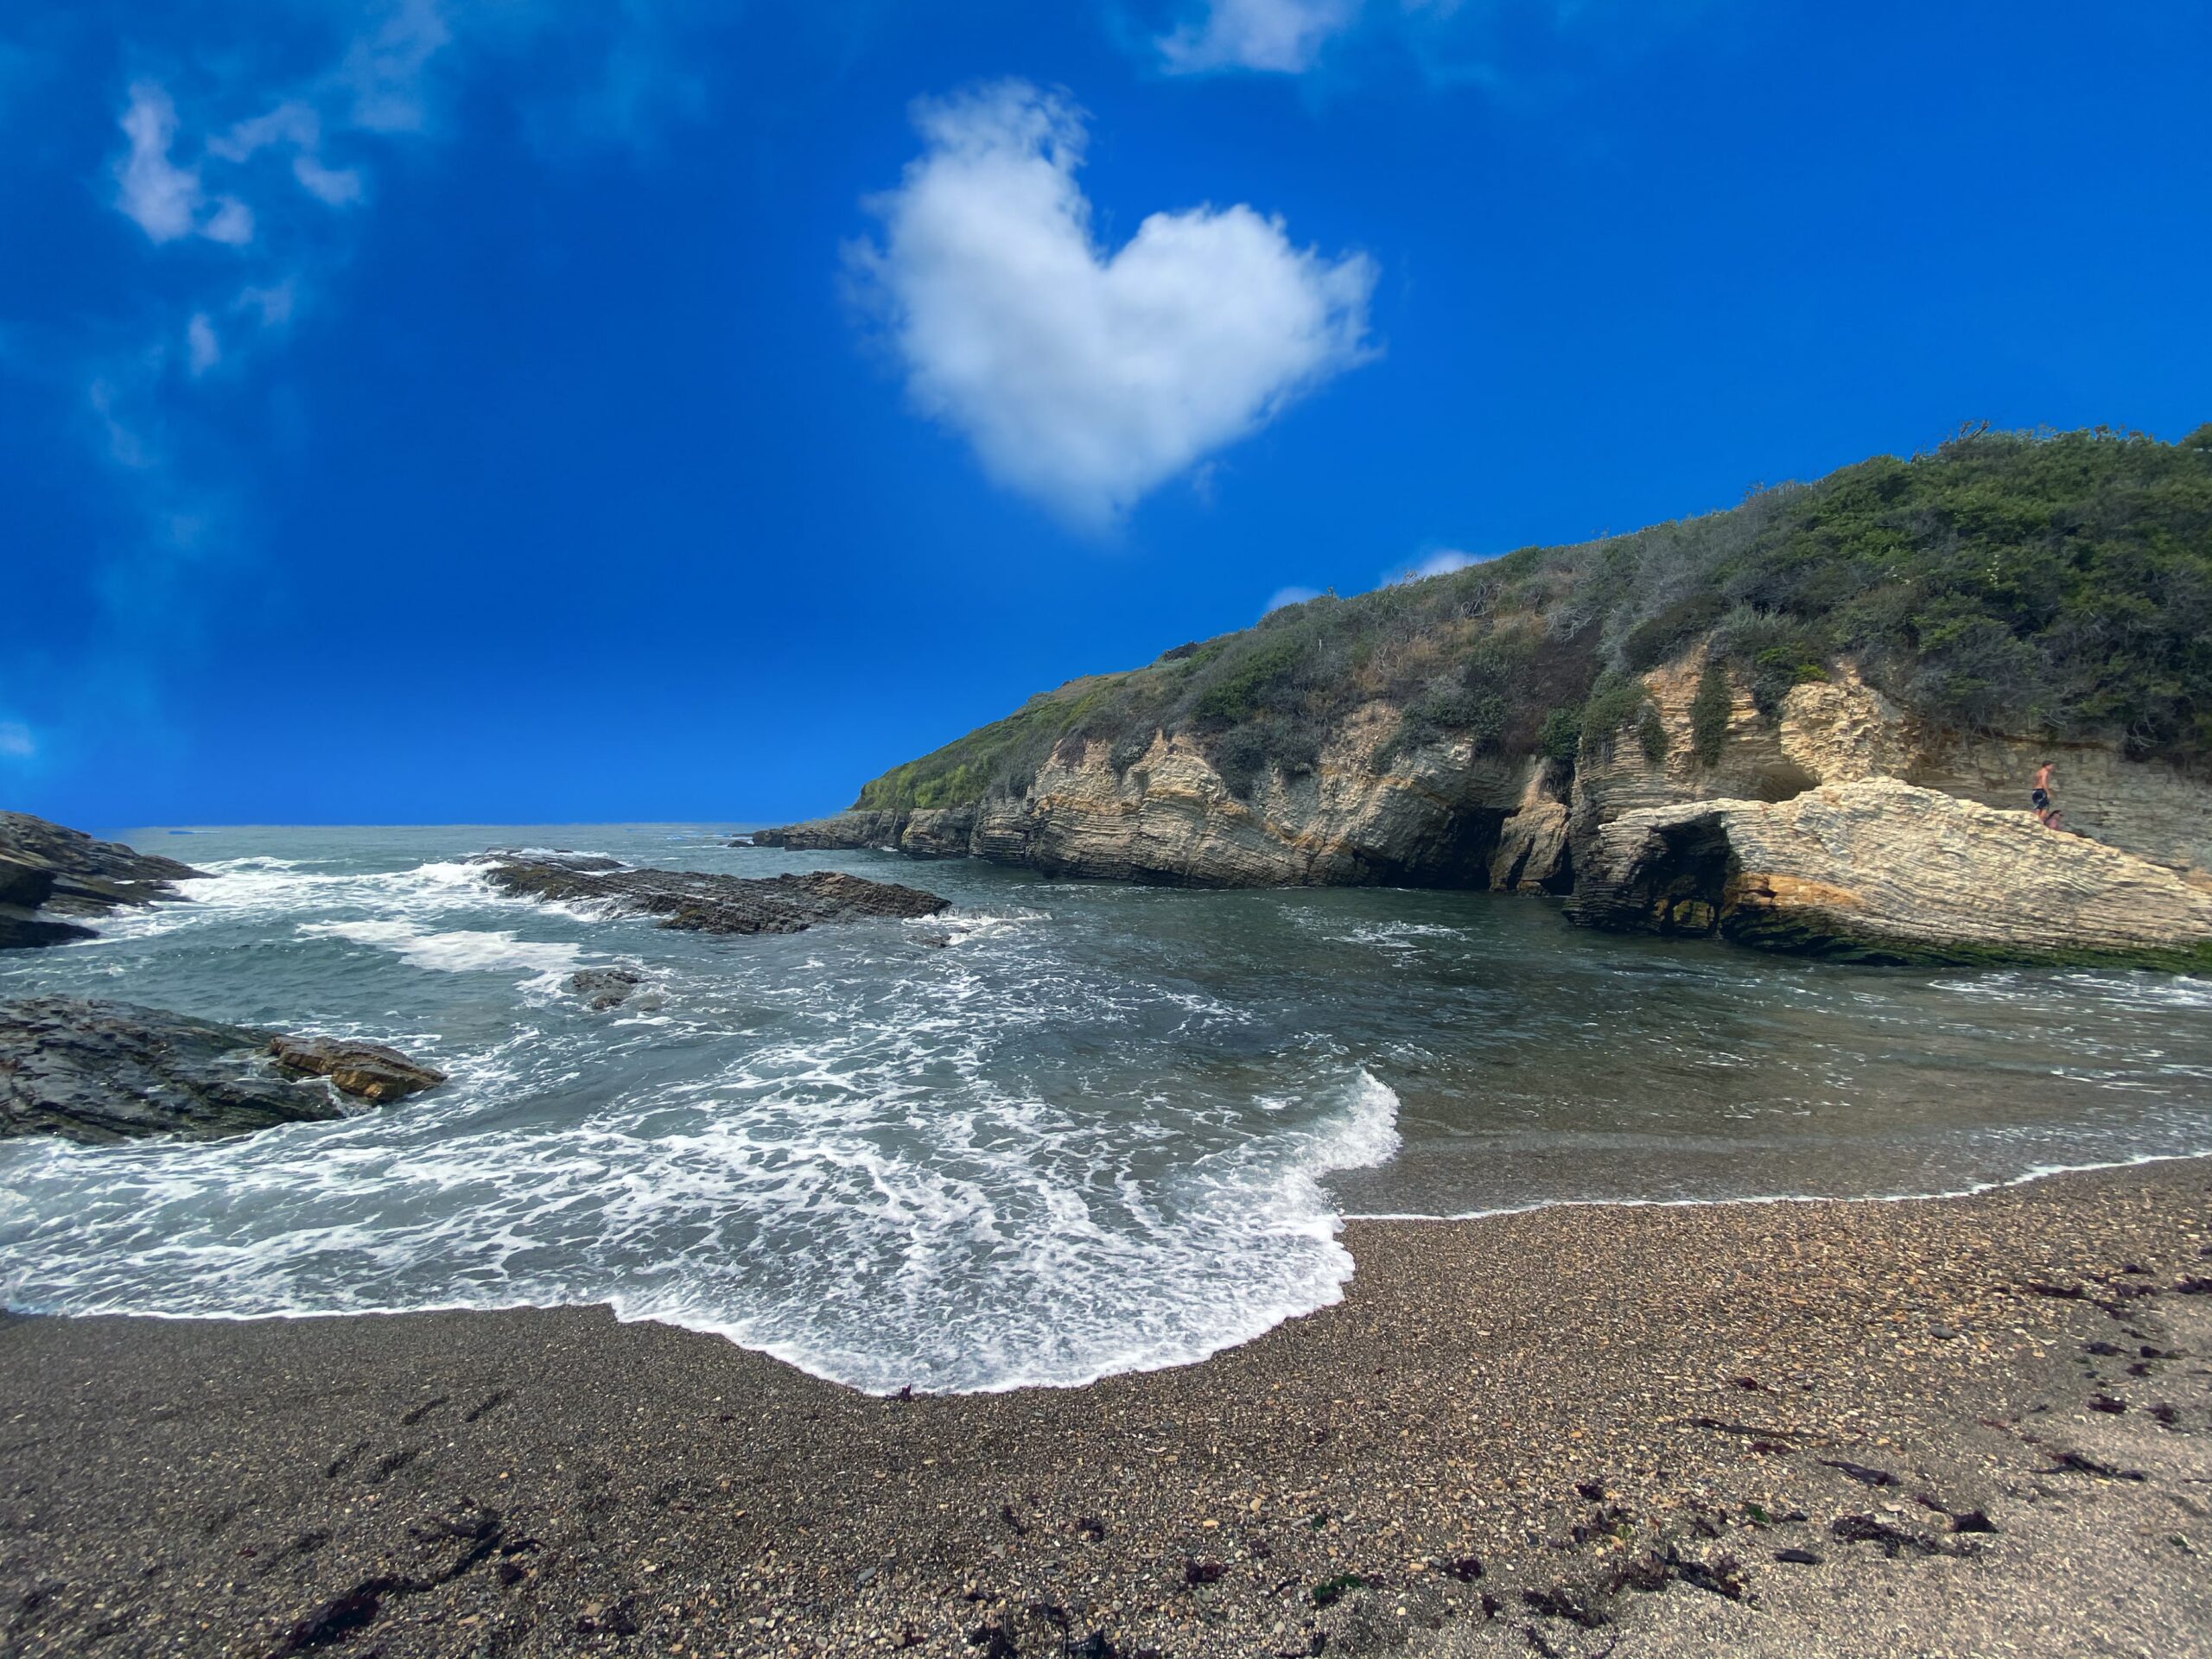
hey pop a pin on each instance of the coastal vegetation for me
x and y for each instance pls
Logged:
(2023, 582)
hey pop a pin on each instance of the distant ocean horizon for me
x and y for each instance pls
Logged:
(1071, 1128)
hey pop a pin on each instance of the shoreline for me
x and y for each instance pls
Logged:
(556, 1481)
(1343, 1221)
(1981, 1189)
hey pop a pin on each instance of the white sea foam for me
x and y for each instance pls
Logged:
(1971, 1190)
(788, 1205)
(1077, 1143)
(1397, 936)
(460, 952)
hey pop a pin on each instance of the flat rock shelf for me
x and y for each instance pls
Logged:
(698, 902)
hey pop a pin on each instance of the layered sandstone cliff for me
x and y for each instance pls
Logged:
(1433, 817)
(1882, 870)
(1841, 823)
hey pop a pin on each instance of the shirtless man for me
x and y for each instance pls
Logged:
(2039, 797)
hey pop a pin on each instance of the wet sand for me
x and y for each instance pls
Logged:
(1579, 1431)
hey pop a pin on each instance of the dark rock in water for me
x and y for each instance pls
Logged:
(698, 902)
(99, 1072)
(605, 988)
(366, 1071)
(48, 872)
(559, 856)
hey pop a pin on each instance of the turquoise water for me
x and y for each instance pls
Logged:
(1107, 1128)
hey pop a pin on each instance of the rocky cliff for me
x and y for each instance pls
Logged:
(1841, 826)
(1433, 817)
(1548, 722)
(1884, 871)
(51, 877)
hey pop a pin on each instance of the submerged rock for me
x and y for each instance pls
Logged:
(602, 989)
(99, 1072)
(1884, 871)
(366, 1071)
(48, 872)
(698, 902)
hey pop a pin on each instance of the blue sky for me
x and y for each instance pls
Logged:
(440, 410)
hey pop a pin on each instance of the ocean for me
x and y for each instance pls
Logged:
(1104, 1128)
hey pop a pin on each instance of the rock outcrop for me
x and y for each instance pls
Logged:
(602, 989)
(1951, 861)
(1881, 870)
(1433, 817)
(366, 1071)
(696, 901)
(50, 875)
(99, 1072)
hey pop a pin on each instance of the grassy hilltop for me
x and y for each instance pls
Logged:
(2025, 583)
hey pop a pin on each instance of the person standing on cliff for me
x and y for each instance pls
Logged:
(2039, 797)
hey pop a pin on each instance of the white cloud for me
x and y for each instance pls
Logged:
(1505, 48)
(1283, 596)
(15, 740)
(163, 200)
(1442, 562)
(1085, 377)
(202, 350)
(292, 125)
(1281, 37)
(383, 69)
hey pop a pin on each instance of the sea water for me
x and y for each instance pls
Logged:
(1071, 1128)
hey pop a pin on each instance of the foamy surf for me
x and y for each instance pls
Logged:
(460, 951)
(1105, 1129)
(1018, 1249)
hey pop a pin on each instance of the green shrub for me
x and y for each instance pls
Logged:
(1247, 676)
(1560, 735)
(1611, 707)
(1664, 636)
(1709, 712)
(1651, 735)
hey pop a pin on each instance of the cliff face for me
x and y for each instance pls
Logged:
(50, 875)
(1884, 871)
(1843, 825)
(1433, 816)
(1493, 726)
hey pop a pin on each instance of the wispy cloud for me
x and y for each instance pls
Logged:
(240, 169)
(16, 742)
(162, 199)
(203, 350)
(1271, 36)
(1491, 43)
(1293, 596)
(1085, 376)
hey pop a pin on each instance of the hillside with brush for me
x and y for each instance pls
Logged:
(2023, 583)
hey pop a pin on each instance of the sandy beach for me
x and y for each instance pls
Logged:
(1971, 1425)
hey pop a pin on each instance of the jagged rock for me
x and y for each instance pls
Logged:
(1532, 853)
(99, 1072)
(602, 989)
(1916, 884)
(106, 1071)
(698, 902)
(1884, 871)
(842, 832)
(366, 1071)
(48, 872)
(1433, 816)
